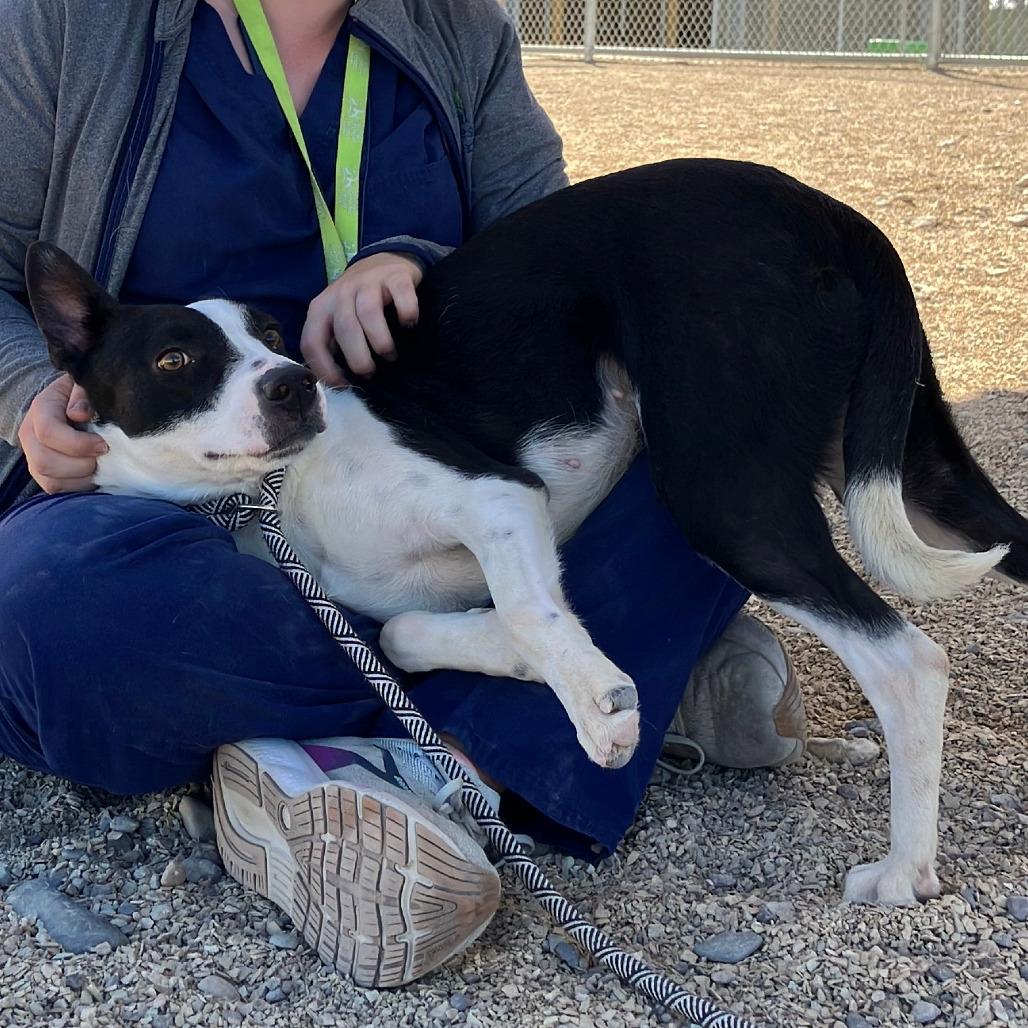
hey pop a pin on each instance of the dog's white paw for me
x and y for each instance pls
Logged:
(891, 882)
(609, 731)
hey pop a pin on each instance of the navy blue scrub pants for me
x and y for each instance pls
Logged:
(135, 639)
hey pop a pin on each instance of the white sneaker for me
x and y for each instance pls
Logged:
(743, 706)
(342, 835)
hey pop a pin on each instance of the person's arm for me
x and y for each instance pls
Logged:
(28, 102)
(517, 155)
(34, 401)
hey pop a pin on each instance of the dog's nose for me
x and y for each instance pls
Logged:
(289, 387)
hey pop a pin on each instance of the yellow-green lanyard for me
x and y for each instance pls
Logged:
(339, 234)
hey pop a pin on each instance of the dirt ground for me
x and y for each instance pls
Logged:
(899, 144)
(940, 162)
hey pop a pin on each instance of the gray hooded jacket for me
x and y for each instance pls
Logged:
(87, 93)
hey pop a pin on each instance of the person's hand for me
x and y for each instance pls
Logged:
(348, 318)
(60, 457)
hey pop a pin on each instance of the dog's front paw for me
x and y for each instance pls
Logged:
(609, 732)
(892, 883)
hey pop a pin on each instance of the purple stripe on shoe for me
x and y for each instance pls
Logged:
(329, 758)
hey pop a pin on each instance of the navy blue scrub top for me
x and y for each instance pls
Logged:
(232, 212)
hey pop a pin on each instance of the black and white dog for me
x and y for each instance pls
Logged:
(757, 334)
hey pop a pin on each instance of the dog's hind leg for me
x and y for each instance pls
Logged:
(775, 541)
(467, 640)
(904, 675)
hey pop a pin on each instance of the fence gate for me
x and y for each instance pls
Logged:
(930, 31)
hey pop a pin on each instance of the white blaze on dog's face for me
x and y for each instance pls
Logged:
(193, 401)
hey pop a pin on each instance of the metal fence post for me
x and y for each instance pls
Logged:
(934, 35)
(589, 30)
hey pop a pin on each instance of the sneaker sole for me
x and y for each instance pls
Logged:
(378, 892)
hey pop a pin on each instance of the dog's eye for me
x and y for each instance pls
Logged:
(273, 340)
(173, 360)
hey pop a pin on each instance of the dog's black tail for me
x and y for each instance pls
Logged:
(892, 400)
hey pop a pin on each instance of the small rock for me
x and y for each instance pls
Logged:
(729, 947)
(75, 981)
(1017, 907)
(774, 911)
(119, 843)
(284, 940)
(200, 869)
(1003, 940)
(941, 973)
(1022, 182)
(217, 987)
(1018, 219)
(1004, 799)
(161, 911)
(847, 791)
(863, 726)
(124, 823)
(74, 927)
(924, 1013)
(174, 874)
(567, 954)
(274, 995)
(6, 877)
(845, 751)
(722, 881)
(854, 1020)
(722, 977)
(459, 1002)
(926, 221)
(197, 819)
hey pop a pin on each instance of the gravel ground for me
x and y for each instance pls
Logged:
(940, 162)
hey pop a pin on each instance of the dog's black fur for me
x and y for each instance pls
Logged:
(758, 319)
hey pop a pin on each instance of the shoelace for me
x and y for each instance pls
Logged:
(233, 512)
(449, 802)
(669, 764)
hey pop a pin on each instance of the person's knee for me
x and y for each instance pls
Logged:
(63, 557)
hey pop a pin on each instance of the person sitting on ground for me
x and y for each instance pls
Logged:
(139, 650)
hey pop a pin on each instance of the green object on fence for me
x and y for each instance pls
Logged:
(892, 46)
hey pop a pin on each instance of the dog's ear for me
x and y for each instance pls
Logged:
(69, 306)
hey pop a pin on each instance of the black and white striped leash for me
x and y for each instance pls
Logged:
(232, 512)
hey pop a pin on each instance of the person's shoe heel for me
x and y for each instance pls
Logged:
(382, 890)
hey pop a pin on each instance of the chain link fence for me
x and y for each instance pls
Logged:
(930, 31)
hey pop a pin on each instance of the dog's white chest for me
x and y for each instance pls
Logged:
(379, 524)
(369, 519)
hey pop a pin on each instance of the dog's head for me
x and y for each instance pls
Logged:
(192, 401)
